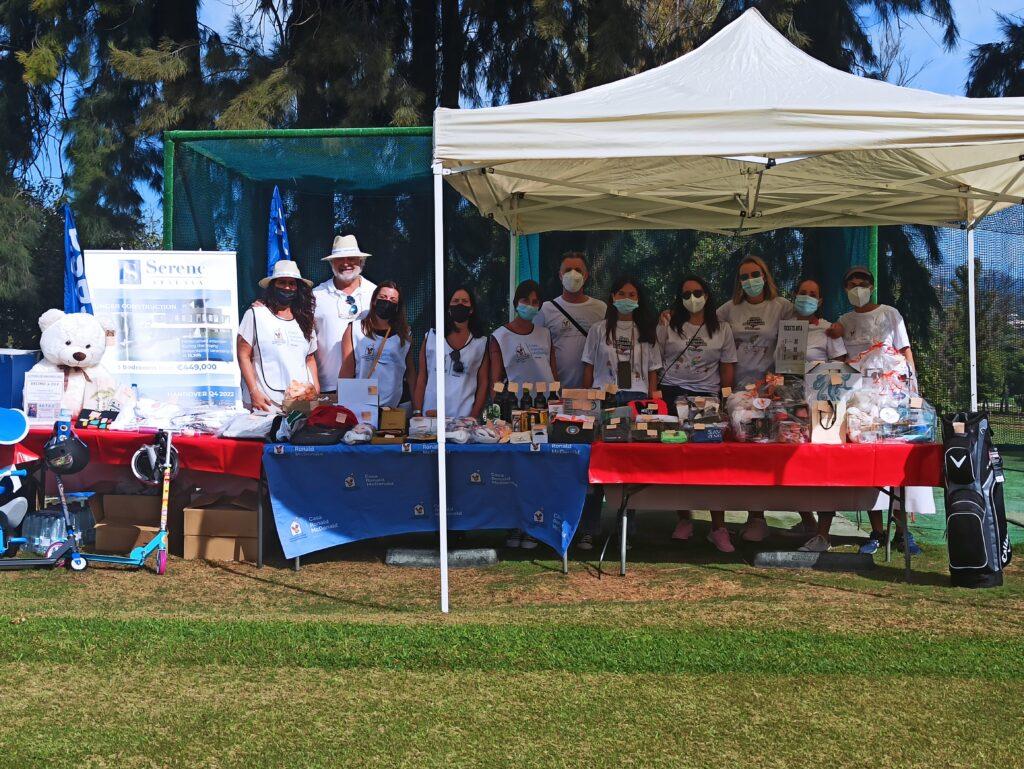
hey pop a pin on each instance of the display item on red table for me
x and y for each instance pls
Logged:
(650, 406)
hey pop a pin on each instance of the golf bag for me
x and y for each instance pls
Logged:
(976, 535)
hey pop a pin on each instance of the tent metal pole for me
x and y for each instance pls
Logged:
(439, 355)
(972, 342)
(513, 272)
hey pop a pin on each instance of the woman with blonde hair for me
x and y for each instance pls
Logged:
(754, 313)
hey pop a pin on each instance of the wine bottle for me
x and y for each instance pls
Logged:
(526, 402)
(541, 401)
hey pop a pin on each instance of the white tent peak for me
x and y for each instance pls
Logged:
(693, 144)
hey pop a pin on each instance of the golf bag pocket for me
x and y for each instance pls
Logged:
(971, 544)
(960, 462)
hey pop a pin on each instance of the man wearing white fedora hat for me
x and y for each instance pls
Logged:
(343, 298)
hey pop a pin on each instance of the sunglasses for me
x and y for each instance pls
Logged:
(749, 275)
(697, 292)
(457, 365)
(353, 308)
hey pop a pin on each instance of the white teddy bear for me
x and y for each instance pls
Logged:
(74, 344)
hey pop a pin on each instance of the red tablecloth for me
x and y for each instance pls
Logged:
(198, 452)
(767, 464)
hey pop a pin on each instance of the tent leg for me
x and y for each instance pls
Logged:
(438, 363)
(513, 272)
(972, 341)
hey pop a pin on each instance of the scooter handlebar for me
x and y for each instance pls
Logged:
(8, 474)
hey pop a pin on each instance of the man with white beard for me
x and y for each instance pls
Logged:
(344, 298)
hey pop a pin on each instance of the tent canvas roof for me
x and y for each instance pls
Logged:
(745, 131)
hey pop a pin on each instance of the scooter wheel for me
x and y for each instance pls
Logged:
(51, 550)
(161, 561)
(78, 563)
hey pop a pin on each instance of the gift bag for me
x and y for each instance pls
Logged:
(828, 422)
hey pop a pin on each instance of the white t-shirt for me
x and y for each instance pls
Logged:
(755, 328)
(390, 371)
(566, 338)
(820, 346)
(884, 325)
(643, 357)
(279, 352)
(460, 387)
(332, 315)
(527, 357)
(698, 368)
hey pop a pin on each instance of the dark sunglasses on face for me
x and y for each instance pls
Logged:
(697, 292)
(457, 365)
(749, 275)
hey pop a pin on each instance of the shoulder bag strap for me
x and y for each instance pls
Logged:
(380, 351)
(568, 317)
(664, 371)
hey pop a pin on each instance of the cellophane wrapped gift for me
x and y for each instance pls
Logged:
(790, 416)
(749, 421)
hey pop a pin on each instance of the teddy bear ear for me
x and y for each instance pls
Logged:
(48, 318)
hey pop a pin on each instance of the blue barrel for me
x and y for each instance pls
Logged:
(13, 365)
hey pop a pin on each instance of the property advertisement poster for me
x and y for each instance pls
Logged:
(175, 314)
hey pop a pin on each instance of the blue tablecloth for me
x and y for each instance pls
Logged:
(324, 496)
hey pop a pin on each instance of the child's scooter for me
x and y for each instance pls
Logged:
(149, 464)
(63, 454)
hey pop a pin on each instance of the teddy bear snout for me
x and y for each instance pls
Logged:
(79, 356)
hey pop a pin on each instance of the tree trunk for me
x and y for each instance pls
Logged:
(423, 61)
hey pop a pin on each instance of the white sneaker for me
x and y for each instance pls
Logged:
(528, 542)
(816, 544)
(586, 542)
(514, 539)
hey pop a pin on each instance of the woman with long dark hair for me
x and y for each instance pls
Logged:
(623, 350)
(465, 362)
(276, 340)
(380, 346)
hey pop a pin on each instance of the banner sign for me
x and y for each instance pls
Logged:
(76, 288)
(324, 496)
(176, 318)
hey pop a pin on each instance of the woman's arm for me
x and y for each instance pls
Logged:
(259, 401)
(313, 372)
(554, 366)
(410, 373)
(652, 383)
(727, 373)
(497, 364)
(483, 380)
(420, 390)
(588, 376)
(348, 358)
(909, 355)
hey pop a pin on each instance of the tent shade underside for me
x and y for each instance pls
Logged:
(745, 130)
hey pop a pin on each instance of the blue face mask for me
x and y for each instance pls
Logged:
(753, 287)
(527, 311)
(626, 306)
(805, 305)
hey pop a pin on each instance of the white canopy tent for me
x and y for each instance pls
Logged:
(743, 135)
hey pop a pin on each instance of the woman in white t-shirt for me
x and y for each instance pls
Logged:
(870, 324)
(820, 347)
(623, 349)
(521, 351)
(379, 347)
(276, 341)
(465, 362)
(754, 313)
(699, 356)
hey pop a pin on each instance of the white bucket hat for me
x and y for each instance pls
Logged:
(345, 246)
(284, 269)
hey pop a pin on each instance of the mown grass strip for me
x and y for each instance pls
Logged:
(571, 648)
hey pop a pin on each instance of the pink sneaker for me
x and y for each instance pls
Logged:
(720, 539)
(755, 530)
(684, 529)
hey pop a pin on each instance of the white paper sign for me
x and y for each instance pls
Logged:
(176, 320)
(361, 397)
(42, 395)
(791, 352)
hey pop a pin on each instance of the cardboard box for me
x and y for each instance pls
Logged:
(384, 439)
(393, 421)
(126, 509)
(221, 528)
(220, 548)
(120, 538)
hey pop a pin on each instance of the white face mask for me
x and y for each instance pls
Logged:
(695, 303)
(859, 295)
(348, 274)
(572, 281)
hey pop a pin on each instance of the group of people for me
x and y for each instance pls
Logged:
(348, 327)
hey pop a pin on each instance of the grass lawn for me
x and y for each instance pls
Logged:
(693, 659)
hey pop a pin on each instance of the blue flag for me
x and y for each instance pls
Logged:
(277, 234)
(76, 290)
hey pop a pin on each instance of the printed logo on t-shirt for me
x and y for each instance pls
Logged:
(522, 354)
(754, 323)
(623, 345)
